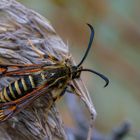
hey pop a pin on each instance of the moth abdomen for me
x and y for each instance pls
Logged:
(17, 89)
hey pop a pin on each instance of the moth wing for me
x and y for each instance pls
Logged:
(9, 109)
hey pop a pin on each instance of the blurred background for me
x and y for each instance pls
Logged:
(115, 53)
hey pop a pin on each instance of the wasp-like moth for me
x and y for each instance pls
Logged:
(38, 79)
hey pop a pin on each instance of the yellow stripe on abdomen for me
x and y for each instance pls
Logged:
(11, 91)
(24, 84)
(32, 82)
(17, 87)
(6, 97)
(2, 96)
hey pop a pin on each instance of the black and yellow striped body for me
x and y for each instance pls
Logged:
(18, 89)
(25, 85)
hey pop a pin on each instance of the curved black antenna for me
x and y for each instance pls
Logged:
(99, 74)
(89, 44)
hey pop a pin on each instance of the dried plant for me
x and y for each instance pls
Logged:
(17, 25)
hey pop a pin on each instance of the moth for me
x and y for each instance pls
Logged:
(36, 80)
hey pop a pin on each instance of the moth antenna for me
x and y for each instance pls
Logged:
(99, 74)
(89, 44)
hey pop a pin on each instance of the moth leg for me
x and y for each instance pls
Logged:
(55, 99)
(60, 95)
(42, 55)
(71, 89)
